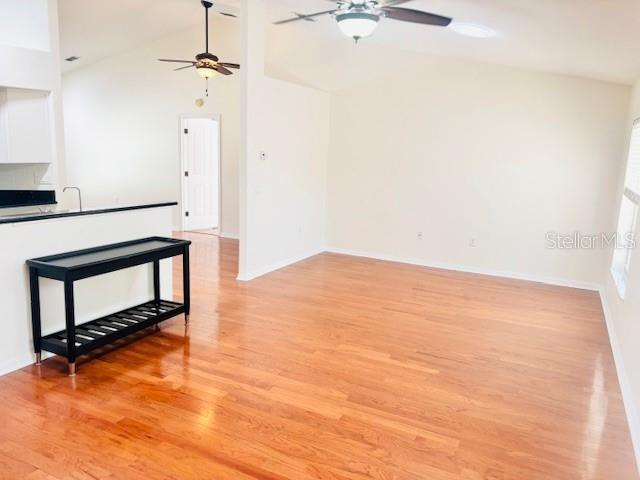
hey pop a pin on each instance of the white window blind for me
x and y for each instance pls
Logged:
(632, 178)
(627, 221)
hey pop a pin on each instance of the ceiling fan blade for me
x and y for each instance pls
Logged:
(416, 16)
(174, 61)
(229, 65)
(182, 68)
(311, 16)
(222, 70)
(385, 3)
(226, 10)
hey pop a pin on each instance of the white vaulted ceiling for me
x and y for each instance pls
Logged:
(597, 39)
(591, 38)
(95, 29)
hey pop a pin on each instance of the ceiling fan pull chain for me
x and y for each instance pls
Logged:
(207, 89)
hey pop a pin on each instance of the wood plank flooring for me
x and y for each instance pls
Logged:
(336, 368)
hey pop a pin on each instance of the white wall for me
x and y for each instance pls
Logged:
(287, 191)
(461, 151)
(284, 196)
(623, 316)
(122, 120)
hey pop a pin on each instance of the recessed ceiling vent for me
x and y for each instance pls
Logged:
(72, 58)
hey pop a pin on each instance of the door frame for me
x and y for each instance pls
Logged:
(181, 165)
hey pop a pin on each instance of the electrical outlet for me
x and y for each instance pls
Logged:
(419, 236)
(472, 243)
(263, 156)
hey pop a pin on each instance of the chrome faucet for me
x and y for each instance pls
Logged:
(79, 194)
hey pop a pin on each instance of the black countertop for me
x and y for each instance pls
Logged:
(32, 217)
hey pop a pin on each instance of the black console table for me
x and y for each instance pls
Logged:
(69, 267)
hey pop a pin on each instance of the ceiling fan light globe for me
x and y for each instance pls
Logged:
(357, 24)
(206, 71)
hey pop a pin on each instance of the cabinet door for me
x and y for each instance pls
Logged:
(27, 124)
(4, 127)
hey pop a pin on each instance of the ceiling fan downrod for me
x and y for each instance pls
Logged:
(207, 5)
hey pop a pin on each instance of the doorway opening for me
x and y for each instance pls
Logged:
(201, 174)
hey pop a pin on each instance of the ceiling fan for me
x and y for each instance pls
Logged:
(359, 18)
(206, 64)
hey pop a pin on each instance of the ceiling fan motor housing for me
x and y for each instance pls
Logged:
(206, 56)
(368, 6)
(362, 10)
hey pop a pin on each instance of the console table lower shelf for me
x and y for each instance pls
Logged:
(106, 330)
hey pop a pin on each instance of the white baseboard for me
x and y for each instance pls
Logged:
(563, 282)
(24, 361)
(233, 236)
(278, 265)
(623, 380)
(15, 364)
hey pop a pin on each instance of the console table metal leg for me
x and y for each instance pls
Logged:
(35, 314)
(156, 282)
(156, 288)
(186, 286)
(70, 319)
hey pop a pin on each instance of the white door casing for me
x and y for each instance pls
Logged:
(200, 160)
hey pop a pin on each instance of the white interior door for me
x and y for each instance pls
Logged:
(201, 176)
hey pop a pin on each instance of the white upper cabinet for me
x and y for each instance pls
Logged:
(25, 24)
(25, 127)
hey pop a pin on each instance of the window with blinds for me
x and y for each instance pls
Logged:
(632, 178)
(627, 221)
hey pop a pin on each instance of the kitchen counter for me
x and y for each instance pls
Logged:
(35, 216)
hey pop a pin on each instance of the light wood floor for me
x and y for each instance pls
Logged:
(206, 231)
(335, 368)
